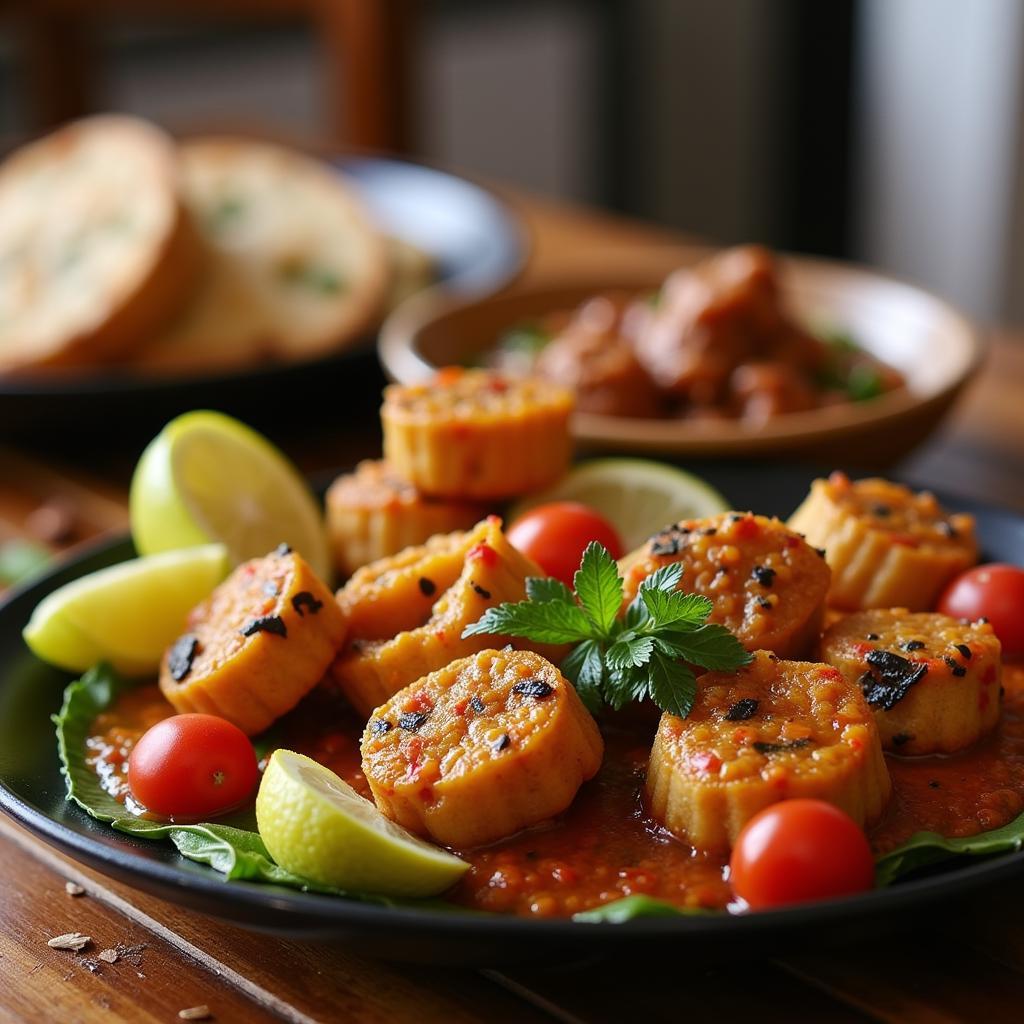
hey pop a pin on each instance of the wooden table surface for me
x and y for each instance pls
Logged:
(967, 965)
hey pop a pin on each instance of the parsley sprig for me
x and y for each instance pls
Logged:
(616, 659)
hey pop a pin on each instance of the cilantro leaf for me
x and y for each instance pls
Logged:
(676, 608)
(623, 686)
(584, 668)
(636, 614)
(547, 588)
(672, 684)
(666, 578)
(621, 656)
(599, 586)
(549, 622)
(711, 646)
(629, 652)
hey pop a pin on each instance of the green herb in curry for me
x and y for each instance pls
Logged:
(618, 659)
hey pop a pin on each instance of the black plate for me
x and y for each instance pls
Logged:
(477, 246)
(32, 790)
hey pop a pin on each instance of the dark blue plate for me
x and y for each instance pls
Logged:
(32, 790)
(477, 246)
(473, 238)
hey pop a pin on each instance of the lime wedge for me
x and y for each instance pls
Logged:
(206, 477)
(127, 614)
(319, 827)
(637, 496)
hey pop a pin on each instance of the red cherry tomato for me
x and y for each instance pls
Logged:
(192, 766)
(800, 850)
(994, 592)
(555, 536)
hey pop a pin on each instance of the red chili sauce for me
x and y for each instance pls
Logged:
(605, 846)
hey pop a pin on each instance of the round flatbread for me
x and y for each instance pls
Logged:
(96, 249)
(295, 268)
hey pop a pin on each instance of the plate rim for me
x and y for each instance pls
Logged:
(325, 915)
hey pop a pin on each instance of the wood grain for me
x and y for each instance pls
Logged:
(43, 984)
(292, 979)
(919, 981)
(757, 991)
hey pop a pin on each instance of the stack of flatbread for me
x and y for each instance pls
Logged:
(217, 254)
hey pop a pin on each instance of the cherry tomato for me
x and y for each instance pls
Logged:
(192, 766)
(555, 536)
(800, 850)
(994, 592)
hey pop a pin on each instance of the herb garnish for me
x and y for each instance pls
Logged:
(225, 214)
(528, 339)
(647, 652)
(316, 278)
(20, 559)
(864, 382)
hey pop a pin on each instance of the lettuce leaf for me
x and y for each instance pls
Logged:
(84, 699)
(235, 852)
(629, 908)
(924, 849)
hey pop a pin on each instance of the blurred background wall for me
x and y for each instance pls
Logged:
(880, 130)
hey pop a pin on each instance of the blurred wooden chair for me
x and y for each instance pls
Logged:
(367, 44)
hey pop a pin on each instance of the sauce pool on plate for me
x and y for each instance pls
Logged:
(606, 846)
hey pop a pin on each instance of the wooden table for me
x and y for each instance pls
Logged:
(967, 966)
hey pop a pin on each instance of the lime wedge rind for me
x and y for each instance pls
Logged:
(126, 614)
(639, 496)
(315, 825)
(208, 477)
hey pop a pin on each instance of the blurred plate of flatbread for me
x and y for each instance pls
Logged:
(131, 262)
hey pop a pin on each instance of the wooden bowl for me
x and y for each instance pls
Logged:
(935, 347)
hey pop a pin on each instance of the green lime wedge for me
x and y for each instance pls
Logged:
(127, 614)
(317, 826)
(209, 478)
(638, 496)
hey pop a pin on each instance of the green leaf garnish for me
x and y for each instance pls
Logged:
(631, 652)
(636, 614)
(840, 340)
(20, 559)
(231, 845)
(647, 651)
(236, 853)
(673, 684)
(924, 849)
(623, 686)
(547, 588)
(710, 645)
(666, 578)
(864, 382)
(676, 609)
(599, 586)
(84, 699)
(547, 622)
(584, 668)
(629, 908)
